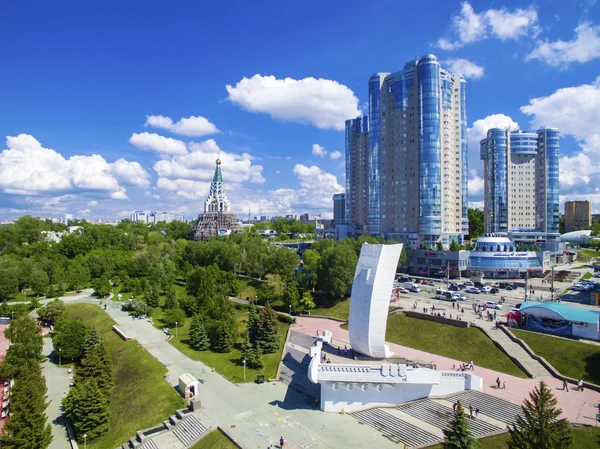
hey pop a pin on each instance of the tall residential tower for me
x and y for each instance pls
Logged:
(521, 180)
(409, 164)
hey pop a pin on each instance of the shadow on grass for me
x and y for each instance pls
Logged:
(592, 367)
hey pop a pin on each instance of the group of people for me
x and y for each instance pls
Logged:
(500, 384)
(471, 410)
(466, 366)
(579, 386)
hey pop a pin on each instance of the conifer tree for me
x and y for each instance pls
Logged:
(253, 324)
(171, 301)
(222, 341)
(254, 357)
(267, 339)
(97, 367)
(27, 427)
(540, 426)
(458, 435)
(87, 407)
(198, 336)
(92, 340)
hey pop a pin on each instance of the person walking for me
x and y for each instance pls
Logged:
(470, 411)
(504, 385)
(565, 385)
(498, 382)
(339, 350)
(580, 385)
(476, 412)
(345, 351)
(454, 408)
(281, 442)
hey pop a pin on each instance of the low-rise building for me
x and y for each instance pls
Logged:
(560, 319)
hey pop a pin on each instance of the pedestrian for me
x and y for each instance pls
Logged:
(453, 305)
(476, 412)
(504, 385)
(470, 411)
(339, 350)
(104, 306)
(454, 407)
(281, 442)
(565, 385)
(494, 314)
(498, 382)
(345, 351)
(317, 333)
(580, 385)
(462, 310)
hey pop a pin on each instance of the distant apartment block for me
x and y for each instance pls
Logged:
(578, 215)
(406, 161)
(521, 182)
(155, 217)
(339, 209)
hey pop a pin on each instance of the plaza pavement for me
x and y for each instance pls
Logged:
(577, 406)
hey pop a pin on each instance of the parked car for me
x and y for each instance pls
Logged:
(503, 284)
(511, 287)
(462, 286)
(479, 285)
(453, 288)
(469, 283)
(485, 289)
(493, 305)
(458, 297)
(494, 290)
(472, 290)
(431, 282)
(402, 290)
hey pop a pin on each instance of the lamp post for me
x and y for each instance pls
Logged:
(553, 262)
(85, 441)
(175, 329)
(290, 309)
(59, 359)
(244, 363)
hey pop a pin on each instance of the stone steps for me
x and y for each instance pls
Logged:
(189, 430)
(439, 416)
(489, 405)
(395, 429)
(149, 444)
(297, 378)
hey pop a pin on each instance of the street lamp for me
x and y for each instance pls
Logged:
(553, 262)
(290, 309)
(244, 363)
(85, 441)
(175, 329)
(59, 360)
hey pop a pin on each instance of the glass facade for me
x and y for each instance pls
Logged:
(494, 150)
(464, 145)
(430, 176)
(550, 137)
(375, 155)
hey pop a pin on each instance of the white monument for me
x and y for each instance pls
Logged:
(354, 385)
(370, 299)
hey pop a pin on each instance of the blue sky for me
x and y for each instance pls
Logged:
(108, 107)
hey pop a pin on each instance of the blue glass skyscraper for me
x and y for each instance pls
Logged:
(417, 161)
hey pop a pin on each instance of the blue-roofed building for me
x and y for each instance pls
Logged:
(560, 319)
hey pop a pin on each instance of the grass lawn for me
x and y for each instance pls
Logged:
(587, 275)
(571, 358)
(339, 309)
(214, 440)
(588, 253)
(248, 288)
(116, 290)
(583, 438)
(141, 398)
(450, 341)
(228, 364)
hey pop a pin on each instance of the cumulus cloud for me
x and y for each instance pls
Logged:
(318, 150)
(469, 26)
(465, 67)
(476, 184)
(323, 103)
(572, 110)
(158, 144)
(583, 48)
(335, 155)
(191, 126)
(27, 168)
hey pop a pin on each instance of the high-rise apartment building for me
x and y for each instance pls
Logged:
(408, 166)
(339, 209)
(521, 180)
(578, 215)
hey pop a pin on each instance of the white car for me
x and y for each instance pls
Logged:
(485, 289)
(403, 290)
(458, 297)
(493, 305)
(472, 290)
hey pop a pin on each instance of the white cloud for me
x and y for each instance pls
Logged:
(476, 184)
(278, 172)
(323, 103)
(93, 203)
(318, 150)
(199, 164)
(573, 110)
(465, 67)
(335, 155)
(470, 26)
(583, 48)
(158, 144)
(27, 168)
(191, 126)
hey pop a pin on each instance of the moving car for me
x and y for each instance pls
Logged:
(493, 305)
(458, 297)
(402, 290)
(472, 290)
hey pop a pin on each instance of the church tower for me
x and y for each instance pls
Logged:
(217, 199)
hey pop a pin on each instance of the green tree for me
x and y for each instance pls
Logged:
(403, 258)
(253, 324)
(96, 365)
(173, 316)
(476, 220)
(27, 427)
(458, 435)
(338, 266)
(454, 246)
(307, 301)
(26, 348)
(9, 280)
(198, 336)
(69, 338)
(171, 298)
(540, 426)
(152, 296)
(39, 281)
(267, 338)
(291, 297)
(52, 311)
(439, 246)
(312, 267)
(128, 285)
(222, 341)
(87, 407)
(251, 354)
(102, 286)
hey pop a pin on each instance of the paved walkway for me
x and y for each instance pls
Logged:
(576, 406)
(57, 382)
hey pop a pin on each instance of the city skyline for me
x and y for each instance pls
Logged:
(130, 111)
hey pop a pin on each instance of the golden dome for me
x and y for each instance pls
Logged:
(218, 161)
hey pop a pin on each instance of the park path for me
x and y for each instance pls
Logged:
(577, 407)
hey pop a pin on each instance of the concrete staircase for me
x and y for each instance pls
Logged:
(149, 444)
(534, 368)
(395, 429)
(491, 406)
(189, 430)
(294, 372)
